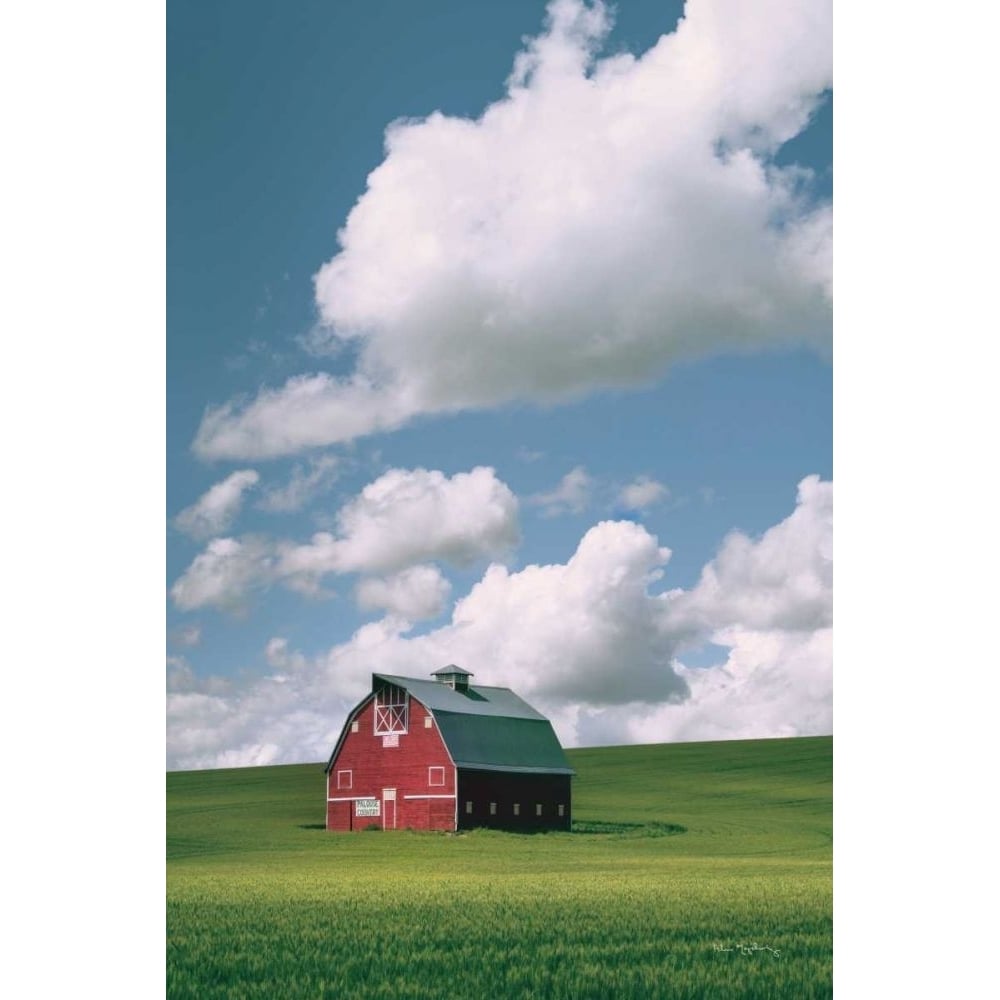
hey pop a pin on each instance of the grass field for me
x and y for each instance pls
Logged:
(262, 902)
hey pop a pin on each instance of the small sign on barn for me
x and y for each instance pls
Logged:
(366, 807)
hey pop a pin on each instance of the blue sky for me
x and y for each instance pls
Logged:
(604, 286)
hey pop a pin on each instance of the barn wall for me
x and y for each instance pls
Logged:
(375, 767)
(505, 789)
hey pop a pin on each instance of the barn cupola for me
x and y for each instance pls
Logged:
(454, 677)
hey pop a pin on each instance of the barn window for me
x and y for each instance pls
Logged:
(538, 809)
(517, 808)
(493, 809)
(390, 709)
(468, 808)
(428, 722)
(355, 725)
(435, 776)
(345, 779)
(562, 809)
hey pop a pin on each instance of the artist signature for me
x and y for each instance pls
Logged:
(746, 948)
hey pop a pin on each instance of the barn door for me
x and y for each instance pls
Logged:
(388, 808)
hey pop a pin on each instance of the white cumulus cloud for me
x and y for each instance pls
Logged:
(605, 218)
(783, 581)
(596, 643)
(413, 594)
(404, 518)
(409, 516)
(216, 509)
(772, 684)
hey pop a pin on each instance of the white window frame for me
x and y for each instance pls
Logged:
(428, 722)
(538, 809)
(517, 808)
(342, 784)
(562, 809)
(355, 726)
(468, 807)
(431, 776)
(493, 809)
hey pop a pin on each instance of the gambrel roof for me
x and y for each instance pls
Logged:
(484, 728)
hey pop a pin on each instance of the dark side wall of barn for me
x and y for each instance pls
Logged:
(488, 798)
(365, 767)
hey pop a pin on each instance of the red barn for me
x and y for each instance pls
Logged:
(444, 755)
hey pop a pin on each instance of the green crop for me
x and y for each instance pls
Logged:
(694, 870)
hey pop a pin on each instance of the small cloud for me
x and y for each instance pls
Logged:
(180, 676)
(319, 341)
(571, 496)
(224, 575)
(187, 636)
(216, 509)
(413, 516)
(306, 483)
(279, 657)
(528, 455)
(642, 493)
(276, 651)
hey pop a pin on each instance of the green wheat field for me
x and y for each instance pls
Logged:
(698, 870)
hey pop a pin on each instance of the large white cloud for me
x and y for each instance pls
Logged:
(404, 518)
(584, 630)
(772, 684)
(216, 509)
(592, 642)
(605, 218)
(782, 581)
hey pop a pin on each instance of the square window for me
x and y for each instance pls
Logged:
(345, 780)
(468, 808)
(517, 808)
(493, 809)
(435, 776)
(538, 809)
(562, 809)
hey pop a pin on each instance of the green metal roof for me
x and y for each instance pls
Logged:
(476, 700)
(489, 728)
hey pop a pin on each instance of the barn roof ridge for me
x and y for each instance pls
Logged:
(479, 699)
